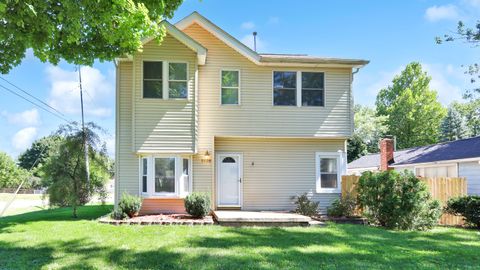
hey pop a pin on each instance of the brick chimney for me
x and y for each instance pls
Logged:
(386, 153)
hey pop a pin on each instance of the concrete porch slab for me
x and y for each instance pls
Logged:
(260, 218)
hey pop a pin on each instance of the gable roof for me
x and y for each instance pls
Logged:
(447, 151)
(266, 59)
(183, 38)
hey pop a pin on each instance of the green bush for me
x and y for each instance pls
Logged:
(343, 207)
(197, 204)
(118, 214)
(304, 206)
(129, 205)
(466, 206)
(397, 201)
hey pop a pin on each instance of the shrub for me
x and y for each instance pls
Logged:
(130, 205)
(466, 206)
(343, 207)
(197, 204)
(305, 206)
(397, 201)
(118, 214)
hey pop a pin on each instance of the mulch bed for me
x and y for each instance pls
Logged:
(160, 219)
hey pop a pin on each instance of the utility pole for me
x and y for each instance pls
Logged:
(85, 146)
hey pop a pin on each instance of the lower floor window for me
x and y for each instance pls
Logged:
(329, 170)
(167, 175)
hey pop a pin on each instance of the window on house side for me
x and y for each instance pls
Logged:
(152, 79)
(177, 80)
(328, 173)
(284, 88)
(230, 87)
(313, 89)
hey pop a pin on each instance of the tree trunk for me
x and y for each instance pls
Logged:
(75, 211)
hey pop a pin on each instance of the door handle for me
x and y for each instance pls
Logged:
(240, 179)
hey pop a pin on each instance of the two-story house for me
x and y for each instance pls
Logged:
(203, 112)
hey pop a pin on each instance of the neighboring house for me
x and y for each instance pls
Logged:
(459, 158)
(203, 112)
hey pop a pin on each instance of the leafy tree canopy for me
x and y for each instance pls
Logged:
(78, 31)
(471, 112)
(10, 174)
(413, 111)
(39, 151)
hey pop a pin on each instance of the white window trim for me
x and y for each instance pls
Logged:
(165, 79)
(437, 165)
(239, 86)
(299, 89)
(179, 193)
(341, 170)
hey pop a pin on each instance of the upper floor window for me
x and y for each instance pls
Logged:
(230, 87)
(313, 89)
(284, 88)
(295, 88)
(152, 79)
(165, 80)
(177, 80)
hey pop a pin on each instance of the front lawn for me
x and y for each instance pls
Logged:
(52, 239)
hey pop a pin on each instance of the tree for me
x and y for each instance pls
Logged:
(78, 31)
(369, 126)
(469, 35)
(453, 126)
(369, 129)
(471, 112)
(10, 174)
(39, 151)
(356, 148)
(413, 111)
(64, 171)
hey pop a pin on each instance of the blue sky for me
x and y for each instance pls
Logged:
(388, 33)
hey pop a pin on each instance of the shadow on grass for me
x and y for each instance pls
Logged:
(215, 247)
(87, 212)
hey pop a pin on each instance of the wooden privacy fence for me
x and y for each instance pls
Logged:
(441, 188)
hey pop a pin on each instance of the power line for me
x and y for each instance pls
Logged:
(39, 100)
(35, 104)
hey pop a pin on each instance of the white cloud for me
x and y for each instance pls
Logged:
(24, 138)
(447, 92)
(25, 118)
(248, 25)
(64, 91)
(248, 40)
(273, 20)
(437, 13)
(473, 3)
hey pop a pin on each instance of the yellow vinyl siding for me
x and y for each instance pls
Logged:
(127, 178)
(256, 116)
(274, 170)
(164, 126)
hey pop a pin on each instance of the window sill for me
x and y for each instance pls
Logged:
(162, 196)
(329, 190)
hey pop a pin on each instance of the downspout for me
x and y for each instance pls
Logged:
(352, 114)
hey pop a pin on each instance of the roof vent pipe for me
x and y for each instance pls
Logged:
(255, 41)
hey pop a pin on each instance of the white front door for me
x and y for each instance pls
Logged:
(229, 179)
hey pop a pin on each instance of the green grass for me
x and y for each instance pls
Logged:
(52, 239)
